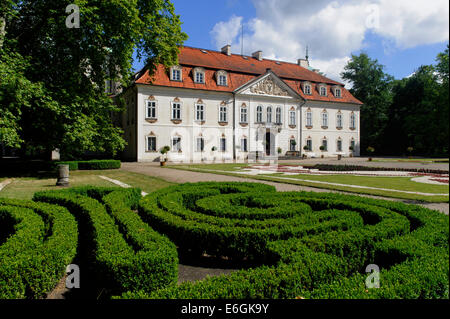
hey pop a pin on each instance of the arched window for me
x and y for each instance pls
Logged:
(309, 145)
(324, 144)
(243, 118)
(309, 119)
(324, 119)
(199, 112)
(323, 90)
(278, 115)
(352, 121)
(259, 114)
(339, 120)
(223, 116)
(292, 116)
(269, 114)
(339, 145)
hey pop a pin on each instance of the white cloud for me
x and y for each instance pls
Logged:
(333, 30)
(224, 33)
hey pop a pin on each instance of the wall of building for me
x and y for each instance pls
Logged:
(317, 132)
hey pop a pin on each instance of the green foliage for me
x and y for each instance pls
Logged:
(34, 258)
(91, 165)
(142, 259)
(412, 112)
(319, 249)
(63, 71)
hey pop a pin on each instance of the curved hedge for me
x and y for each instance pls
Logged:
(34, 256)
(143, 259)
(312, 245)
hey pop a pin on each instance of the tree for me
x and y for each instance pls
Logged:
(373, 87)
(71, 65)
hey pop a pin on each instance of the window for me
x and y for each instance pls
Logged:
(223, 114)
(199, 77)
(176, 144)
(292, 145)
(324, 119)
(176, 111)
(243, 115)
(244, 145)
(339, 120)
(199, 112)
(259, 114)
(223, 80)
(309, 144)
(200, 146)
(352, 145)
(309, 119)
(223, 144)
(175, 73)
(151, 143)
(292, 118)
(325, 144)
(278, 115)
(269, 114)
(151, 110)
(337, 92)
(307, 89)
(323, 91)
(339, 145)
(352, 121)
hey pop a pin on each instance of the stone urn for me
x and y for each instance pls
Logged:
(63, 175)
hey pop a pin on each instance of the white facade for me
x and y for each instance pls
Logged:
(257, 119)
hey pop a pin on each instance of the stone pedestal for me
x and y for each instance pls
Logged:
(63, 175)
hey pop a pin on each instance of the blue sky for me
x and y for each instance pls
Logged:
(405, 35)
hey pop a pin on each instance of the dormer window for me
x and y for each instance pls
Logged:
(307, 88)
(221, 77)
(199, 75)
(176, 73)
(337, 91)
(323, 90)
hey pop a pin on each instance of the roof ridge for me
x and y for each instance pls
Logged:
(270, 60)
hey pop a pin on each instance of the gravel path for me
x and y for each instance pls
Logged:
(181, 176)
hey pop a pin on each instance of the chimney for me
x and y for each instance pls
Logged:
(226, 49)
(303, 63)
(257, 55)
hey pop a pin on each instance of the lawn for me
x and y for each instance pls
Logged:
(25, 187)
(394, 183)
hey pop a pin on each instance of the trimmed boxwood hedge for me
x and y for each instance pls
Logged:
(91, 165)
(139, 259)
(34, 257)
(318, 251)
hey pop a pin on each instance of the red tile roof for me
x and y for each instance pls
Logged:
(241, 71)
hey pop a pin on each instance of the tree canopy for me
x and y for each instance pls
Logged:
(53, 92)
(402, 116)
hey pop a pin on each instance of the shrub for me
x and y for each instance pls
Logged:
(34, 258)
(90, 165)
(141, 260)
(317, 249)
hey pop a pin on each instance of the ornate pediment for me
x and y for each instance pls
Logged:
(268, 86)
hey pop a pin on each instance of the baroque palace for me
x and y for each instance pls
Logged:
(218, 106)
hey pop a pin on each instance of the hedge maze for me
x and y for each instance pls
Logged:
(303, 245)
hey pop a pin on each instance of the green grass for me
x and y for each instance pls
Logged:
(395, 183)
(25, 187)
